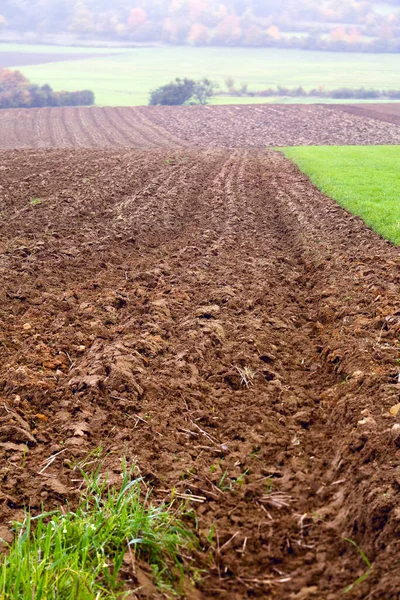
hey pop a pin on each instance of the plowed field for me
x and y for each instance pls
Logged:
(389, 113)
(191, 126)
(214, 318)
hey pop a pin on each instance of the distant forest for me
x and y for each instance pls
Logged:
(310, 24)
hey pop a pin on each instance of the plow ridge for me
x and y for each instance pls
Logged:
(200, 127)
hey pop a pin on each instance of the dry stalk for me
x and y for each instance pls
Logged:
(246, 375)
(277, 499)
(50, 460)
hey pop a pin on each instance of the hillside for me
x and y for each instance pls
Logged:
(311, 24)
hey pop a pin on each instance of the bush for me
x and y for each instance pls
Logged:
(182, 91)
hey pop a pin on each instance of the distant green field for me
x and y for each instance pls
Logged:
(365, 180)
(124, 77)
(288, 100)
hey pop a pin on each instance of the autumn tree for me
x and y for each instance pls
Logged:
(17, 91)
(137, 17)
(211, 22)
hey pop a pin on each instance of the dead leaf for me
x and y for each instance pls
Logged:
(41, 417)
(394, 411)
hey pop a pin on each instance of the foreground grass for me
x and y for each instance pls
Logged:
(365, 180)
(78, 555)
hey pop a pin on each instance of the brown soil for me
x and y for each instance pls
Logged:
(211, 316)
(389, 113)
(191, 126)
(20, 59)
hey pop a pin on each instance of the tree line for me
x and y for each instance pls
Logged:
(189, 92)
(363, 25)
(16, 91)
(342, 93)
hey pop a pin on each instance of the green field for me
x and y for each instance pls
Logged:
(365, 180)
(289, 100)
(124, 76)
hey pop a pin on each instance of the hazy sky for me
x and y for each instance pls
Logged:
(206, 22)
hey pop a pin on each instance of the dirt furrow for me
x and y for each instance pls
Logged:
(214, 318)
(388, 112)
(118, 127)
(142, 130)
(350, 281)
(103, 125)
(158, 134)
(200, 126)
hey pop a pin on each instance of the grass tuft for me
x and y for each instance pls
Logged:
(79, 555)
(368, 564)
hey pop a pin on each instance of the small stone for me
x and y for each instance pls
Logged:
(208, 312)
(27, 326)
(302, 418)
(367, 423)
(397, 477)
(357, 375)
(41, 417)
(395, 433)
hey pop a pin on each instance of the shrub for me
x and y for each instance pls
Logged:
(182, 91)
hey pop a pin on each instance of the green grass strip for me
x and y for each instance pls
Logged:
(79, 555)
(365, 180)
